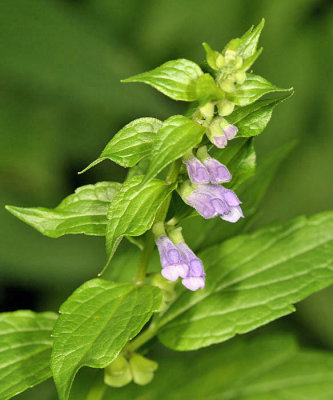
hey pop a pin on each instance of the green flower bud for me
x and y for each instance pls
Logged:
(142, 369)
(118, 373)
(207, 110)
(225, 107)
(229, 56)
(240, 77)
(227, 85)
(167, 287)
(238, 62)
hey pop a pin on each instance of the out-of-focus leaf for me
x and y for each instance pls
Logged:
(176, 79)
(25, 350)
(131, 144)
(81, 212)
(252, 280)
(96, 322)
(207, 89)
(264, 367)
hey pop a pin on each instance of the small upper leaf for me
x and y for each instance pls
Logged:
(81, 212)
(252, 280)
(25, 350)
(251, 120)
(133, 210)
(252, 89)
(131, 144)
(177, 136)
(176, 79)
(96, 322)
(207, 89)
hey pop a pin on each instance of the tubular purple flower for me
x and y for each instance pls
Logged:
(195, 278)
(211, 200)
(220, 131)
(218, 173)
(196, 171)
(173, 266)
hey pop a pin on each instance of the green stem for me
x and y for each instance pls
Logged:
(147, 251)
(144, 337)
(97, 391)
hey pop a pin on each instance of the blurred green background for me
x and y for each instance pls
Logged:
(61, 100)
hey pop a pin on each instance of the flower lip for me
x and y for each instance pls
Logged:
(230, 131)
(197, 171)
(220, 141)
(218, 172)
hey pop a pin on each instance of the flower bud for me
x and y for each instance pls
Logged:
(227, 85)
(207, 110)
(240, 77)
(118, 373)
(142, 369)
(225, 107)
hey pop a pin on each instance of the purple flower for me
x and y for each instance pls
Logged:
(173, 266)
(197, 171)
(230, 131)
(218, 173)
(211, 200)
(195, 278)
(220, 131)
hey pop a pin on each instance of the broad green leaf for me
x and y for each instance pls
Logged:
(176, 79)
(131, 144)
(251, 120)
(252, 89)
(252, 280)
(133, 210)
(84, 211)
(264, 367)
(25, 350)
(177, 136)
(95, 323)
(207, 89)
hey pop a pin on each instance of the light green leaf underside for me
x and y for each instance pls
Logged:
(25, 350)
(133, 210)
(176, 79)
(177, 136)
(265, 367)
(81, 212)
(252, 89)
(96, 322)
(252, 119)
(252, 280)
(131, 144)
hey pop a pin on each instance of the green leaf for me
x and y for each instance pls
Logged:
(81, 212)
(95, 323)
(176, 79)
(249, 41)
(133, 210)
(25, 350)
(177, 136)
(240, 159)
(252, 89)
(207, 89)
(252, 280)
(211, 56)
(264, 367)
(131, 144)
(252, 119)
